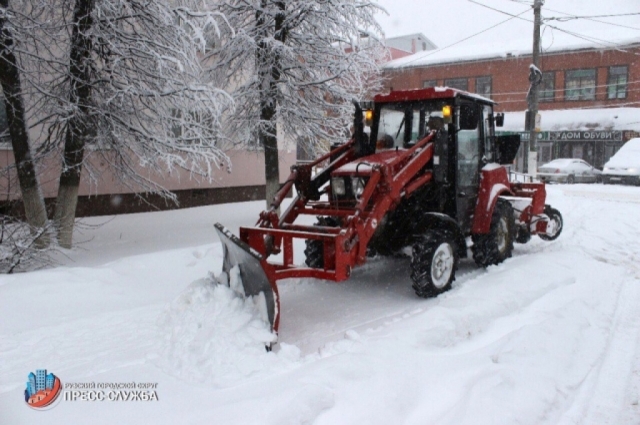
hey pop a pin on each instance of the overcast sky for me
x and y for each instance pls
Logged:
(448, 21)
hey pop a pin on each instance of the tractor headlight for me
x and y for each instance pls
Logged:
(337, 186)
(368, 118)
(357, 185)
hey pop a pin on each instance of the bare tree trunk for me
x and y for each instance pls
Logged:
(269, 76)
(32, 198)
(78, 128)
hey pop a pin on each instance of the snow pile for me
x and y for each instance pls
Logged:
(213, 334)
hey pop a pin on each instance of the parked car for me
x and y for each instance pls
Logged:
(569, 170)
(624, 166)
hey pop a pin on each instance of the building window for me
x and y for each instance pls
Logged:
(617, 83)
(483, 86)
(429, 83)
(546, 93)
(457, 83)
(580, 84)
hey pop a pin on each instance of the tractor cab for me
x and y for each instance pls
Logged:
(464, 140)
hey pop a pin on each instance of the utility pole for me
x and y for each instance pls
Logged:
(535, 78)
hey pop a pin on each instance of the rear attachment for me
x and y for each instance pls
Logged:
(252, 272)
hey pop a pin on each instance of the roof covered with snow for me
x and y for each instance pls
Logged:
(503, 49)
(473, 30)
(579, 119)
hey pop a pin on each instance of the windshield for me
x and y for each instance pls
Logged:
(403, 124)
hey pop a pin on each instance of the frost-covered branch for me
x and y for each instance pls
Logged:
(329, 56)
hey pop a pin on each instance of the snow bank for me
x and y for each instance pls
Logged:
(212, 334)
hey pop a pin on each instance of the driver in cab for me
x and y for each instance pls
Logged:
(385, 143)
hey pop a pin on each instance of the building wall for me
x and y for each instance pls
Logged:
(102, 193)
(510, 76)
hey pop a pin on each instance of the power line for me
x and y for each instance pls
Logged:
(609, 106)
(616, 106)
(501, 11)
(591, 39)
(561, 90)
(589, 18)
(613, 105)
(593, 16)
(465, 39)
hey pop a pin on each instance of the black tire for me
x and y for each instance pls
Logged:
(314, 249)
(434, 263)
(571, 180)
(497, 245)
(523, 235)
(555, 220)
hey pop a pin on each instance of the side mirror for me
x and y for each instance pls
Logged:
(499, 120)
(507, 148)
(468, 117)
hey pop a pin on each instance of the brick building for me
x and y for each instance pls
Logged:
(578, 77)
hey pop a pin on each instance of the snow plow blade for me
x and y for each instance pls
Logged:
(253, 276)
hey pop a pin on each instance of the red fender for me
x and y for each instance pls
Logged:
(494, 182)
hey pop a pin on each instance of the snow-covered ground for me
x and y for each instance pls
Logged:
(548, 337)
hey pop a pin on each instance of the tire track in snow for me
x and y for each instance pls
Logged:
(316, 313)
(602, 397)
(606, 392)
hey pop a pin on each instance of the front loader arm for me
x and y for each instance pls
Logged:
(387, 185)
(344, 246)
(306, 186)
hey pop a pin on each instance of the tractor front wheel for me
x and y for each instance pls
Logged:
(314, 249)
(433, 264)
(554, 226)
(497, 245)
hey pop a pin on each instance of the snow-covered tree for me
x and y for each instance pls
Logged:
(136, 93)
(32, 198)
(121, 79)
(293, 67)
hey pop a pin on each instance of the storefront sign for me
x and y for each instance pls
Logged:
(585, 135)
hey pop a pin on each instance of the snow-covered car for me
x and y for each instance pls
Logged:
(624, 166)
(569, 170)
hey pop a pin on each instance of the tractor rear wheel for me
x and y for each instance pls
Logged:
(497, 245)
(554, 226)
(433, 263)
(314, 249)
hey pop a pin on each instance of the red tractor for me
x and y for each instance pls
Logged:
(423, 170)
